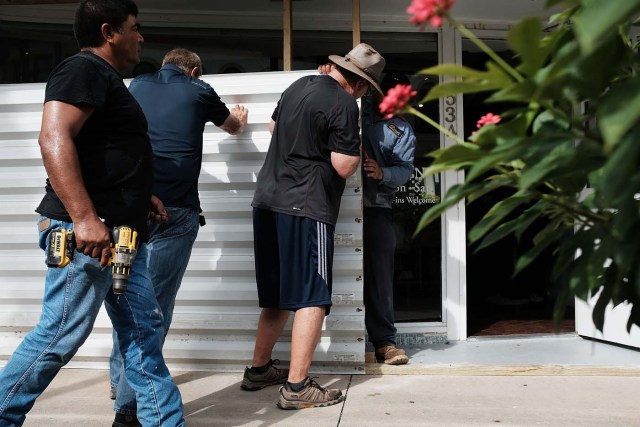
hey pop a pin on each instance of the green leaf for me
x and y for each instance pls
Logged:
(599, 308)
(619, 110)
(495, 158)
(497, 213)
(453, 88)
(536, 173)
(472, 80)
(515, 226)
(634, 317)
(454, 70)
(455, 157)
(613, 177)
(524, 39)
(522, 91)
(551, 3)
(490, 184)
(552, 232)
(551, 122)
(597, 17)
(451, 198)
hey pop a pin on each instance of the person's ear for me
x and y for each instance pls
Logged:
(195, 72)
(107, 31)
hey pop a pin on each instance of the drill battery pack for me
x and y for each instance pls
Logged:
(61, 246)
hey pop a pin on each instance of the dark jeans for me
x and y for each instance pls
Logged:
(379, 250)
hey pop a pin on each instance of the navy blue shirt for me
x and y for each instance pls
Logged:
(177, 107)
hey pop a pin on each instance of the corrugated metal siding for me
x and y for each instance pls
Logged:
(216, 312)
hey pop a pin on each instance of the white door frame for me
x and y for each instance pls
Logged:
(453, 252)
(454, 242)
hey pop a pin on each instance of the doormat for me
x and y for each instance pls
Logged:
(416, 338)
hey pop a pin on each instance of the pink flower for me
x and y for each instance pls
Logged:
(488, 119)
(429, 10)
(396, 100)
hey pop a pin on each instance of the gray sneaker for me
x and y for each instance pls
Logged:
(253, 381)
(311, 396)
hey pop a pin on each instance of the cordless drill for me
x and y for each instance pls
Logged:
(124, 246)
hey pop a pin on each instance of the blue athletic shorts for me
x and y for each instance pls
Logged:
(294, 257)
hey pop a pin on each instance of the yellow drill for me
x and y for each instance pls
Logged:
(124, 246)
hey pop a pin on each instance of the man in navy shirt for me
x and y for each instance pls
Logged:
(177, 105)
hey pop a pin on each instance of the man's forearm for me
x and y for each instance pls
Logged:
(63, 169)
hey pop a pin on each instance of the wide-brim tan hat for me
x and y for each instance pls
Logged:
(364, 61)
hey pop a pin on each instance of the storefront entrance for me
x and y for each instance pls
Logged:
(499, 302)
(418, 260)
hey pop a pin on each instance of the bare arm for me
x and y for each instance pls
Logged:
(344, 164)
(61, 122)
(272, 126)
(237, 120)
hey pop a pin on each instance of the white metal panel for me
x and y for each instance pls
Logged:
(216, 311)
(614, 329)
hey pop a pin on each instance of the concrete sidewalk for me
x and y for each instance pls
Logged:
(456, 388)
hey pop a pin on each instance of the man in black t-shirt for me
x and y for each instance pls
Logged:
(97, 155)
(315, 146)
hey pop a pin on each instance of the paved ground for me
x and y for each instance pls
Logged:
(79, 398)
(532, 381)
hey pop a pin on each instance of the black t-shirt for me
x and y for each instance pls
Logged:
(314, 117)
(113, 147)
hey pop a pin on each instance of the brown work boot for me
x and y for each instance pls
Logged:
(311, 396)
(253, 381)
(391, 355)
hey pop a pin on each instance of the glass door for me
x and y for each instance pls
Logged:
(500, 302)
(418, 262)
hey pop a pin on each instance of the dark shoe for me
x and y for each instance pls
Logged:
(124, 420)
(113, 393)
(311, 396)
(391, 355)
(253, 381)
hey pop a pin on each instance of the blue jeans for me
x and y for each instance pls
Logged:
(169, 247)
(72, 298)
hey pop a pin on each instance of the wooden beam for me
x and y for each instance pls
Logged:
(287, 29)
(25, 2)
(355, 21)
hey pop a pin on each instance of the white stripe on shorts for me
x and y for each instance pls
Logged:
(321, 229)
